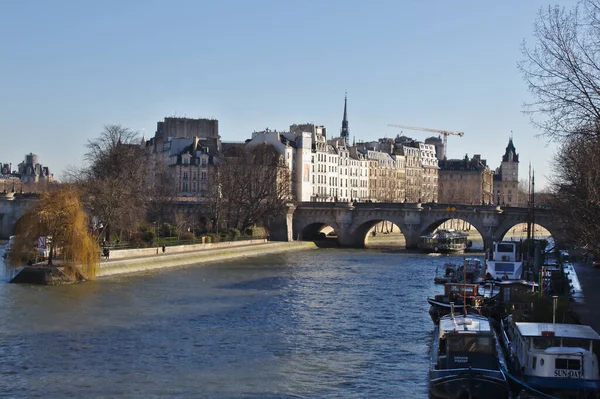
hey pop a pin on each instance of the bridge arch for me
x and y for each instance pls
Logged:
(317, 231)
(504, 229)
(474, 223)
(362, 231)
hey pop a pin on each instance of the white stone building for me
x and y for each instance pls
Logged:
(429, 163)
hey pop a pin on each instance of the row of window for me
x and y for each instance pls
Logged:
(194, 188)
(202, 175)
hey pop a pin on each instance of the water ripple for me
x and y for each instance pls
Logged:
(320, 324)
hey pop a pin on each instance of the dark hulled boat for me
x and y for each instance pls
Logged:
(457, 296)
(466, 360)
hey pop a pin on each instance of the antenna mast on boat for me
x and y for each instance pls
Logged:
(465, 286)
(533, 204)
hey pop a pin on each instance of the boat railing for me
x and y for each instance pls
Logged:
(474, 370)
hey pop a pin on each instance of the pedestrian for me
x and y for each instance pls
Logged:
(163, 248)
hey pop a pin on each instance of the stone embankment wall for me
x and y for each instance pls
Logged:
(137, 252)
(140, 260)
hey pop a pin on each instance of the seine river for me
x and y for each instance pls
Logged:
(327, 323)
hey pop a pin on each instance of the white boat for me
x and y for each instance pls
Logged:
(469, 270)
(504, 261)
(553, 357)
(444, 241)
(449, 273)
(466, 359)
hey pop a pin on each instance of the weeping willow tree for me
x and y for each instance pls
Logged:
(58, 216)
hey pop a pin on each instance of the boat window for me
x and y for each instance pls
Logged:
(533, 362)
(567, 364)
(546, 342)
(504, 247)
(466, 343)
(504, 267)
(576, 343)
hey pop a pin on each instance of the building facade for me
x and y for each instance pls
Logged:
(506, 178)
(182, 154)
(30, 171)
(429, 162)
(465, 181)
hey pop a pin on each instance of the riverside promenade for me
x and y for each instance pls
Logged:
(147, 259)
(588, 310)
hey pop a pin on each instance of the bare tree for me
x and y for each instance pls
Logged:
(162, 191)
(115, 182)
(523, 193)
(562, 71)
(576, 184)
(249, 187)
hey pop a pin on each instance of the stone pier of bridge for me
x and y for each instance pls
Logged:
(12, 206)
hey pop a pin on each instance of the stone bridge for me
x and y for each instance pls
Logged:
(12, 206)
(352, 221)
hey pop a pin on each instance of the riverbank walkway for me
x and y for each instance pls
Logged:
(588, 309)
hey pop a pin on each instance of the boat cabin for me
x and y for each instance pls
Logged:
(444, 241)
(555, 355)
(458, 291)
(466, 341)
(504, 261)
(516, 291)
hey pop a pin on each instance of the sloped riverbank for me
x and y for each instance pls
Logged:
(203, 253)
(131, 261)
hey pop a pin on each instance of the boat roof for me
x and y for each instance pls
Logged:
(564, 349)
(529, 329)
(520, 282)
(461, 323)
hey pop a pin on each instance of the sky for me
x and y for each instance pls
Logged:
(70, 67)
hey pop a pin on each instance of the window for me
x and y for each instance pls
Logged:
(568, 364)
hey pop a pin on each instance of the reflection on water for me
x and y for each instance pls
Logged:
(328, 323)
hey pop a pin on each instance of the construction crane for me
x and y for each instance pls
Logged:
(445, 133)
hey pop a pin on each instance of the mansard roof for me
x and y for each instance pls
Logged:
(287, 141)
(474, 164)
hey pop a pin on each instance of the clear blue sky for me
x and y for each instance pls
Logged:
(69, 67)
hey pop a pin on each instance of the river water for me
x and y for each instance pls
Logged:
(328, 323)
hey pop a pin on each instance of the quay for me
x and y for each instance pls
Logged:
(141, 260)
(587, 307)
(128, 261)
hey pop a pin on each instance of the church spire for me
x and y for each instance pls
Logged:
(345, 133)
